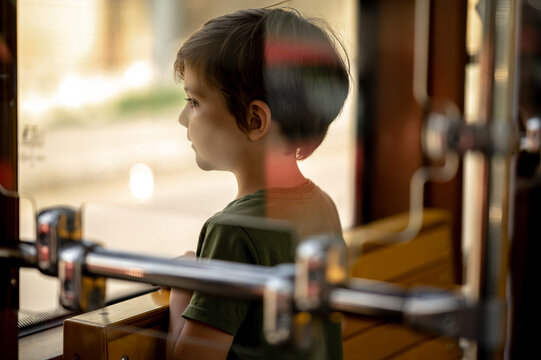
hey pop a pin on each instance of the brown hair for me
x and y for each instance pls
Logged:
(277, 56)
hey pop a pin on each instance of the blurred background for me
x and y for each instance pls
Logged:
(98, 129)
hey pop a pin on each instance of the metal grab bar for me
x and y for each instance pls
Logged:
(316, 283)
(433, 310)
(24, 254)
(215, 277)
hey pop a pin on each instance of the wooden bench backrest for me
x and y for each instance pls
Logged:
(425, 260)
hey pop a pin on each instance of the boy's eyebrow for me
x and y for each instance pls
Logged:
(194, 91)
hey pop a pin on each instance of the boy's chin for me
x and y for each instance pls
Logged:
(206, 165)
(203, 165)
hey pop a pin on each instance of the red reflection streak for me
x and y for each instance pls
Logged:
(297, 53)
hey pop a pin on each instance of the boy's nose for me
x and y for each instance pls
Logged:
(183, 119)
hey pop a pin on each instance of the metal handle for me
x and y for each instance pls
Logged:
(315, 285)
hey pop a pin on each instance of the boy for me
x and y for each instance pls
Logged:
(262, 86)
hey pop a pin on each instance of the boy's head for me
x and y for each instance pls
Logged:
(276, 56)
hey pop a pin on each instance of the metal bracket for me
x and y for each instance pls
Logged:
(79, 291)
(446, 314)
(56, 227)
(321, 265)
(290, 300)
(61, 252)
(278, 309)
(444, 132)
(531, 141)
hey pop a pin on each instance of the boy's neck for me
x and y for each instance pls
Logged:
(279, 171)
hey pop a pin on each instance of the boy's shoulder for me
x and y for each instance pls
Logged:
(247, 219)
(242, 233)
(238, 212)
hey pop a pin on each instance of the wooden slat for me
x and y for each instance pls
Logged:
(391, 262)
(438, 275)
(426, 260)
(397, 342)
(369, 233)
(382, 342)
(356, 325)
(445, 348)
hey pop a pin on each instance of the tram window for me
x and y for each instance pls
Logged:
(98, 110)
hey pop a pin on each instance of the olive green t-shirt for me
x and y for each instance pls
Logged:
(240, 233)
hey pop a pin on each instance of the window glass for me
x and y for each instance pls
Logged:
(98, 128)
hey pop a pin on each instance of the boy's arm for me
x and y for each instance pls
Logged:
(199, 341)
(178, 301)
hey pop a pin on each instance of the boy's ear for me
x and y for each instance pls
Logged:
(258, 121)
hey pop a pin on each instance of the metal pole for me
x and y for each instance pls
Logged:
(248, 282)
(431, 310)
(486, 241)
(214, 277)
(389, 304)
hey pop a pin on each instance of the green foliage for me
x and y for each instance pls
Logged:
(151, 100)
(134, 106)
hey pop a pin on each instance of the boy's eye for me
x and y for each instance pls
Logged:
(192, 101)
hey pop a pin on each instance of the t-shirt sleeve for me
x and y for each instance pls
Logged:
(222, 242)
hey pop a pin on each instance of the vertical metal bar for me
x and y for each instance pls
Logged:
(487, 267)
(500, 171)
(9, 210)
(420, 51)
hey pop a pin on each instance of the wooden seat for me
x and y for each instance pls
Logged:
(425, 260)
(132, 329)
